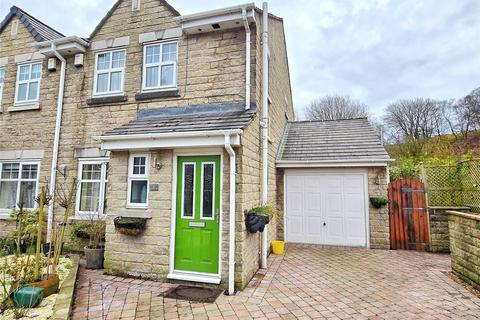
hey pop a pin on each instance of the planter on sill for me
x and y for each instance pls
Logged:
(130, 226)
(256, 222)
(378, 202)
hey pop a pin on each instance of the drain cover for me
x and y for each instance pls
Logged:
(197, 294)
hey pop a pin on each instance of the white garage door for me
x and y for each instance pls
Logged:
(326, 208)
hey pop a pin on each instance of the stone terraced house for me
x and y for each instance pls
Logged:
(186, 121)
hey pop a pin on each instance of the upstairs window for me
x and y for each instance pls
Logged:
(138, 181)
(18, 184)
(109, 72)
(160, 66)
(2, 79)
(28, 83)
(92, 185)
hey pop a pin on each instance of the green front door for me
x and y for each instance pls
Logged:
(197, 214)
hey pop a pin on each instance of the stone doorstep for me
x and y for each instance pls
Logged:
(64, 302)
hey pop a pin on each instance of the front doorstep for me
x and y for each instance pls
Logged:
(194, 277)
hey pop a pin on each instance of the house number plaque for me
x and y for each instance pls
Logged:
(197, 224)
(154, 187)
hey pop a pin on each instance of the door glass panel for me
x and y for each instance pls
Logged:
(207, 188)
(188, 186)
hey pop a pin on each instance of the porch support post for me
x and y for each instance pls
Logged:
(231, 211)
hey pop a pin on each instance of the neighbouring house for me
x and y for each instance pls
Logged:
(186, 121)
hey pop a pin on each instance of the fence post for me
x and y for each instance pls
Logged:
(423, 178)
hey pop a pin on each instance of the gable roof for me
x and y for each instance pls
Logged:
(115, 6)
(206, 117)
(39, 30)
(336, 140)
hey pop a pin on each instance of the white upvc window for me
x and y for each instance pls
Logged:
(28, 83)
(92, 185)
(2, 79)
(160, 66)
(138, 170)
(18, 185)
(109, 72)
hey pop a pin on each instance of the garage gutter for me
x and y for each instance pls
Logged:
(333, 163)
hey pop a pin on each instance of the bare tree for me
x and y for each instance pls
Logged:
(335, 108)
(415, 119)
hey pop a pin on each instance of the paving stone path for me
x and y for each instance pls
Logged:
(308, 282)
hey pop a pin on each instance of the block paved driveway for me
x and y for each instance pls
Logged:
(308, 282)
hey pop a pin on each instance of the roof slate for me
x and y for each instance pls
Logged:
(335, 140)
(39, 30)
(207, 117)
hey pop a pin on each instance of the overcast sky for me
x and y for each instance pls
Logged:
(376, 51)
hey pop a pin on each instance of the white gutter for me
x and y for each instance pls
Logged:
(49, 43)
(247, 58)
(232, 219)
(204, 133)
(333, 163)
(265, 123)
(56, 142)
(213, 13)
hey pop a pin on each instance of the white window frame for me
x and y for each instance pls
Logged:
(159, 65)
(183, 190)
(213, 192)
(138, 177)
(109, 71)
(103, 181)
(19, 180)
(27, 82)
(2, 69)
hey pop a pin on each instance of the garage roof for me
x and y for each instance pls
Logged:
(336, 141)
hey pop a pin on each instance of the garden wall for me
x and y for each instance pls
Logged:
(464, 246)
(439, 235)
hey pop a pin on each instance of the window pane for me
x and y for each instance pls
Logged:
(169, 52)
(89, 196)
(36, 71)
(153, 54)
(138, 192)
(91, 172)
(118, 59)
(10, 170)
(102, 82)
(103, 62)
(27, 194)
(8, 194)
(139, 165)
(29, 171)
(22, 92)
(152, 77)
(167, 76)
(2, 75)
(116, 81)
(208, 190)
(24, 72)
(188, 181)
(32, 90)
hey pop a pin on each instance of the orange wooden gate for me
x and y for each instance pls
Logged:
(408, 215)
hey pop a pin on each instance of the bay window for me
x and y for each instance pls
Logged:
(138, 181)
(109, 72)
(92, 184)
(160, 66)
(18, 185)
(28, 83)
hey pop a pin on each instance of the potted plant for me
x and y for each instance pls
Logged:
(258, 217)
(94, 251)
(130, 226)
(379, 201)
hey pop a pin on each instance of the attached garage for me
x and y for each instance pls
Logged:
(330, 170)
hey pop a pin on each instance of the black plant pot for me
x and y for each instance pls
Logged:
(256, 222)
(377, 203)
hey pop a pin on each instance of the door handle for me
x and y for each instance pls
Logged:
(324, 224)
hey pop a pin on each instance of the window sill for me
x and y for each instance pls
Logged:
(86, 218)
(24, 107)
(159, 94)
(135, 213)
(95, 101)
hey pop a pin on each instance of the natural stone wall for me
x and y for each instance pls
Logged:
(464, 246)
(379, 219)
(439, 235)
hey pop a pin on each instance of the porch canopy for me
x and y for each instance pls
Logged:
(192, 126)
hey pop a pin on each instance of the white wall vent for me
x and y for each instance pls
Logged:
(135, 5)
(52, 64)
(14, 29)
(79, 57)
